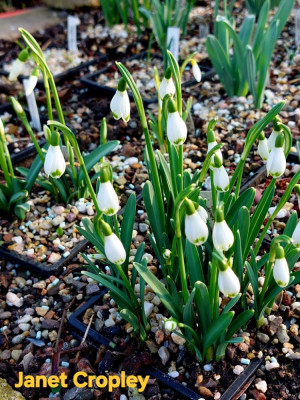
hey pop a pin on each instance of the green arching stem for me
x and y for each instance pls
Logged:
(140, 107)
(48, 94)
(281, 203)
(31, 134)
(3, 165)
(268, 273)
(213, 191)
(7, 158)
(182, 270)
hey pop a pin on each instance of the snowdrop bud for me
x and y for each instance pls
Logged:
(176, 127)
(196, 230)
(18, 65)
(221, 178)
(281, 272)
(113, 247)
(120, 104)
(167, 254)
(222, 236)
(170, 325)
(211, 143)
(276, 163)
(166, 86)
(228, 282)
(107, 198)
(17, 107)
(32, 81)
(296, 235)
(55, 164)
(196, 70)
(263, 149)
(202, 212)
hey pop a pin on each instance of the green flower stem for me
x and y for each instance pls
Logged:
(4, 167)
(33, 138)
(185, 63)
(140, 107)
(8, 159)
(116, 225)
(180, 162)
(280, 205)
(71, 137)
(182, 271)
(191, 330)
(268, 273)
(213, 191)
(172, 169)
(48, 94)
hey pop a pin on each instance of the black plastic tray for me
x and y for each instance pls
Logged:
(43, 269)
(67, 74)
(90, 79)
(96, 339)
(28, 151)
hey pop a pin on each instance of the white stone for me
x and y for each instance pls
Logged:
(262, 386)
(238, 369)
(109, 322)
(177, 339)
(148, 308)
(13, 300)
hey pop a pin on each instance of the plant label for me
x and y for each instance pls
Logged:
(203, 29)
(72, 33)
(173, 41)
(33, 109)
(297, 27)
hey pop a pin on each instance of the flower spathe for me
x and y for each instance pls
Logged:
(276, 163)
(176, 127)
(222, 235)
(281, 272)
(263, 149)
(114, 249)
(196, 230)
(203, 213)
(107, 198)
(196, 70)
(228, 283)
(296, 235)
(31, 82)
(210, 146)
(166, 87)
(55, 164)
(120, 104)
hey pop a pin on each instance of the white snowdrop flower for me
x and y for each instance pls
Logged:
(196, 230)
(120, 104)
(296, 235)
(281, 272)
(221, 178)
(196, 70)
(54, 164)
(170, 325)
(113, 247)
(263, 149)
(107, 198)
(274, 134)
(166, 86)
(229, 283)
(176, 127)
(32, 81)
(18, 65)
(222, 235)
(276, 163)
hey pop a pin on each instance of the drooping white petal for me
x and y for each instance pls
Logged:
(120, 105)
(296, 235)
(16, 70)
(272, 139)
(55, 164)
(114, 249)
(218, 153)
(196, 72)
(222, 236)
(176, 128)
(170, 325)
(263, 149)
(281, 272)
(166, 87)
(108, 199)
(221, 179)
(203, 213)
(276, 163)
(196, 229)
(31, 84)
(228, 283)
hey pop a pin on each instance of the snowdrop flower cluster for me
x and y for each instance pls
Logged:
(196, 229)
(113, 247)
(281, 270)
(276, 162)
(18, 65)
(176, 127)
(120, 104)
(167, 86)
(54, 164)
(107, 198)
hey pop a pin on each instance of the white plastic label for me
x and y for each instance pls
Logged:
(297, 27)
(173, 41)
(203, 29)
(33, 109)
(72, 33)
